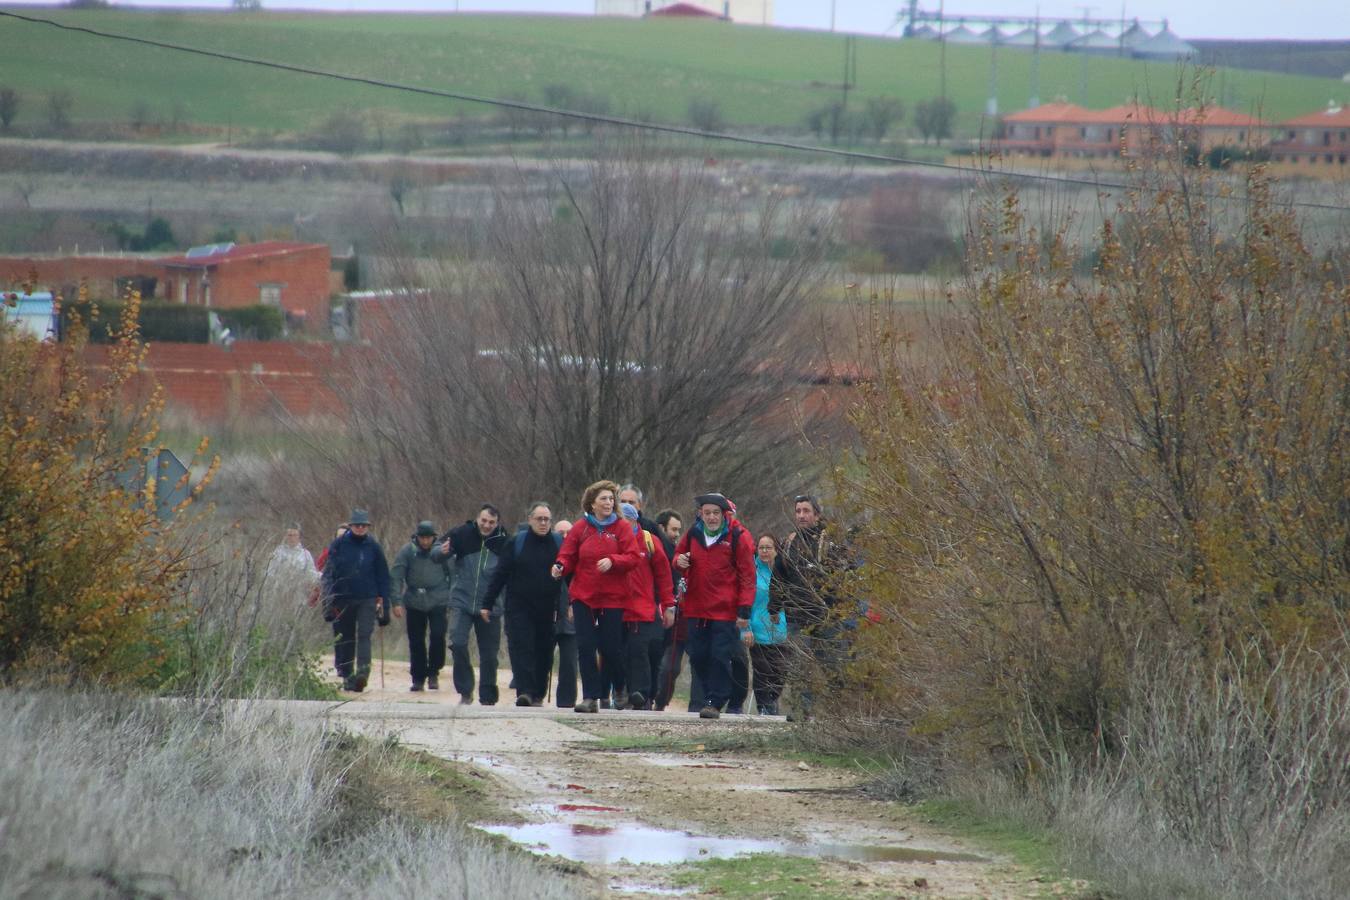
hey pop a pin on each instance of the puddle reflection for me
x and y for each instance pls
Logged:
(639, 844)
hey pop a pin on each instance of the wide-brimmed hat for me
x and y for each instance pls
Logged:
(359, 517)
(718, 500)
(426, 529)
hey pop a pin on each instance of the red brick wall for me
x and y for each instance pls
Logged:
(99, 272)
(252, 378)
(303, 275)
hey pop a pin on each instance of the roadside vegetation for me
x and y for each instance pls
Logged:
(1111, 505)
(141, 798)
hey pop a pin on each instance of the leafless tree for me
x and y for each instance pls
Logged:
(631, 320)
(9, 106)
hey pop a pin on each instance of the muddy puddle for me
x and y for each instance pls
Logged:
(606, 843)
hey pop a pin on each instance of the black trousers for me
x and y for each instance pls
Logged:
(599, 650)
(740, 675)
(770, 663)
(426, 640)
(351, 637)
(489, 638)
(566, 691)
(712, 644)
(672, 663)
(529, 644)
(644, 644)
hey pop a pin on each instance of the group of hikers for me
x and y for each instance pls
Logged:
(620, 597)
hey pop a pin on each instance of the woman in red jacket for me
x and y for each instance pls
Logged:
(597, 554)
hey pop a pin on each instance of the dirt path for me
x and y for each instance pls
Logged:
(634, 819)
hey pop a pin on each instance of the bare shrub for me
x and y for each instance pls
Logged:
(907, 222)
(706, 114)
(1095, 472)
(59, 104)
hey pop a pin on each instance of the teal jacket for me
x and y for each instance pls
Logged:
(765, 630)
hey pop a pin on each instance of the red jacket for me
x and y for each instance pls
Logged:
(584, 546)
(713, 588)
(649, 581)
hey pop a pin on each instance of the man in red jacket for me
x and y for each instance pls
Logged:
(717, 558)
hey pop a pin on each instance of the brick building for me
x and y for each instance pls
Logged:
(289, 275)
(1315, 144)
(1068, 131)
(293, 276)
(106, 275)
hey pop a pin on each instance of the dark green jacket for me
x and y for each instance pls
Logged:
(421, 578)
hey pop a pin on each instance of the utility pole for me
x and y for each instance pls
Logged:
(1083, 71)
(850, 66)
(1035, 99)
(942, 55)
(832, 6)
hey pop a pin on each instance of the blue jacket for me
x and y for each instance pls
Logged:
(356, 570)
(765, 630)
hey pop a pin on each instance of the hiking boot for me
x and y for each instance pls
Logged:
(358, 683)
(605, 703)
(709, 712)
(465, 699)
(637, 701)
(524, 700)
(536, 701)
(620, 700)
(586, 706)
(417, 686)
(433, 682)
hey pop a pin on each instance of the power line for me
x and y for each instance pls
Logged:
(619, 121)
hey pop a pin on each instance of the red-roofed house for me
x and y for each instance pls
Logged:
(287, 274)
(1065, 130)
(1315, 144)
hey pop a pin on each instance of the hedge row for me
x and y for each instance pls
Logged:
(175, 322)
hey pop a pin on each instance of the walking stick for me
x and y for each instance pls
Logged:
(381, 659)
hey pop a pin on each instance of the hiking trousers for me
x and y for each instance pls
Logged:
(770, 663)
(599, 650)
(351, 637)
(489, 637)
(566, 690)
(529, 644)
(426, 640)
(645, 641)
(712, 644)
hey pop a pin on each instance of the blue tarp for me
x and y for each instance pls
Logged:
(34, 314)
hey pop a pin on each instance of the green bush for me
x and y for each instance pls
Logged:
(175, 322)
(158, 321)
(259, 323)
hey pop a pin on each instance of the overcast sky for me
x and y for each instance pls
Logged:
(1295, 19)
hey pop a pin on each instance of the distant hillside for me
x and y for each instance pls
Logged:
(1319, 59)
(762, 78)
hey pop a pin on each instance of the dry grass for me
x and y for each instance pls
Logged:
(122, 797)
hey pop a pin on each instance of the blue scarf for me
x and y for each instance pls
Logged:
(600, 524)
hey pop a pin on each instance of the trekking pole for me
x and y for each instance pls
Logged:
(381, 659)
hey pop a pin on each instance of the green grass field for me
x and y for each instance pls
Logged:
(762, 78)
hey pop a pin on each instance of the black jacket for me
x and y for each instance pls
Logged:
(527, 576)
(806, 576)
